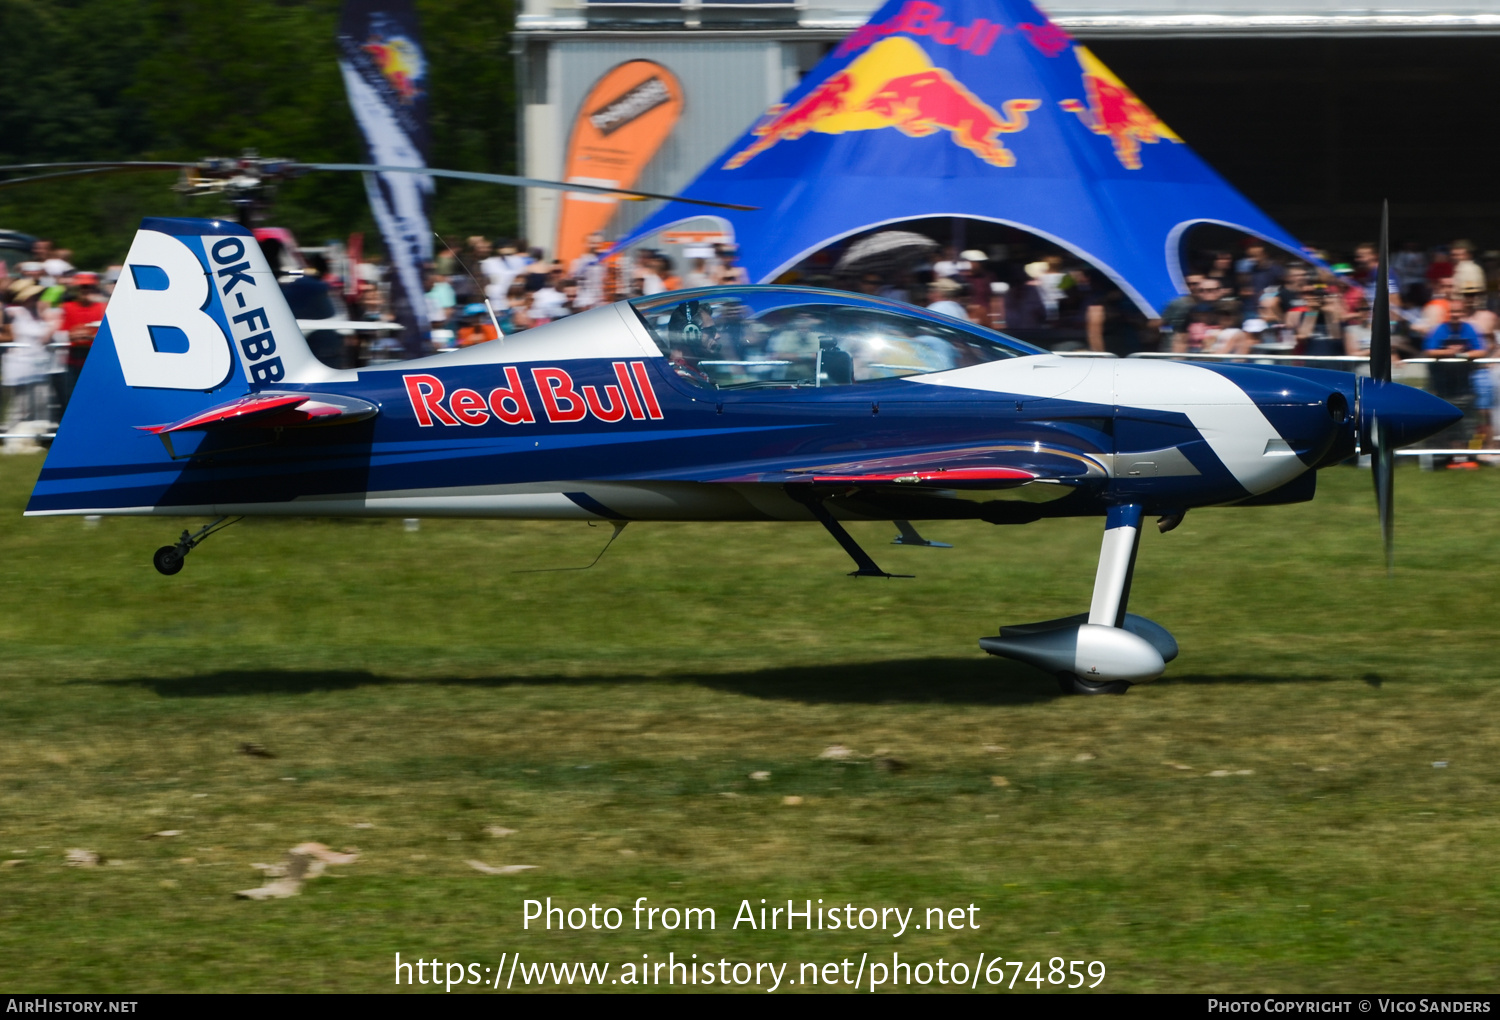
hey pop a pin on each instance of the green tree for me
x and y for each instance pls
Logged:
(183, 79)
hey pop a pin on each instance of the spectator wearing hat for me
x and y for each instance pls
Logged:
(33, 272)
(977, 279)
(24, 368)
(951, 265)
(942, 296)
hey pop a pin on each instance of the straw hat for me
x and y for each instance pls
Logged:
(24, 291)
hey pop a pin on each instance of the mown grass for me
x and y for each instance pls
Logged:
(418, 686)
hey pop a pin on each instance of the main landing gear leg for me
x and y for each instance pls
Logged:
(814, 503)
(1107, 650)
(169, 558)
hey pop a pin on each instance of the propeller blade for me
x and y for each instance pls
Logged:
(520, 182)
(1380, 313)
(1383, 465)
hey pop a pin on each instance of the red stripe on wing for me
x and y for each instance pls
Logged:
(939, 475)
(224, 414)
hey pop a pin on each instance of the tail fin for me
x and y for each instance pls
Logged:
(196, 319)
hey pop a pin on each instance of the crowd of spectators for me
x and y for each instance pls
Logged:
(526, 289)
(1254, 301)
(49, 313)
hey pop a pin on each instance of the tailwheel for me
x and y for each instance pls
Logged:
(167, 560)
(1072, 683)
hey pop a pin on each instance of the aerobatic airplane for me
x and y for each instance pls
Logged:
(201, 398)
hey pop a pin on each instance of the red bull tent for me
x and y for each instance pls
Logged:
(982, 109)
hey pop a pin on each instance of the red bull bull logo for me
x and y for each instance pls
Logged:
(400, 62)
(894, 86)
(1115, 111)
(919, 104)
(784, 123)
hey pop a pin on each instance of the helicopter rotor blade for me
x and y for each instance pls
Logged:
(99, 165)
(520, 182)
(74, 174)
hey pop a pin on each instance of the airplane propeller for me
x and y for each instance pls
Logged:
(1374, 433)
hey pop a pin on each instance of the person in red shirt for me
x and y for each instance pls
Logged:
(80, 317)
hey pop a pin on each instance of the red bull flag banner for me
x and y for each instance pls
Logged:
(385, 76)
(982, 109)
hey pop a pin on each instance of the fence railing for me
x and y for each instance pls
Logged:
(1251, 358)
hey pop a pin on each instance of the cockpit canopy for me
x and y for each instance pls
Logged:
(742, 337)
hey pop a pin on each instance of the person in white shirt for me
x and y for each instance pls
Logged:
(951, 265)
(590, 272)
(554, 301)
(697, 275)
(500, 271)
(24, 368)
(940, 299)
(646, 279)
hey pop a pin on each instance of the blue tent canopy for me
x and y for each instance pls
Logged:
(982, 109)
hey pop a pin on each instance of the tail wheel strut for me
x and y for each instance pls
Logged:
(168, 559)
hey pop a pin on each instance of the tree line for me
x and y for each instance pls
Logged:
(185, 79)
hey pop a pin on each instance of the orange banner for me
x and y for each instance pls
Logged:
(625, 118)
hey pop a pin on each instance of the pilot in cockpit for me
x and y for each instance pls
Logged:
(691, 333)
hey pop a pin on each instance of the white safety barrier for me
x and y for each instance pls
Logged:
(1251, 359)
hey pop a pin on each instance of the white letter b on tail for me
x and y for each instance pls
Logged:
(162, 335)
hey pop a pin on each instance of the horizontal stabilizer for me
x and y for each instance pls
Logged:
(271, 410)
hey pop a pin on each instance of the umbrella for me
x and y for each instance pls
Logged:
(889, 249)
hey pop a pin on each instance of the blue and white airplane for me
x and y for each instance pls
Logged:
(201, 398)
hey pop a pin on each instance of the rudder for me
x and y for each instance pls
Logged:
(197, 318)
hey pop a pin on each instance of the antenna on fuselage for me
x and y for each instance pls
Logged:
(619, 526)
(499, 333)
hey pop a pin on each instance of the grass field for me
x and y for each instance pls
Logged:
(416, 689)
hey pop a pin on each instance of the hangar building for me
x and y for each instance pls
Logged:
(1315, 109)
